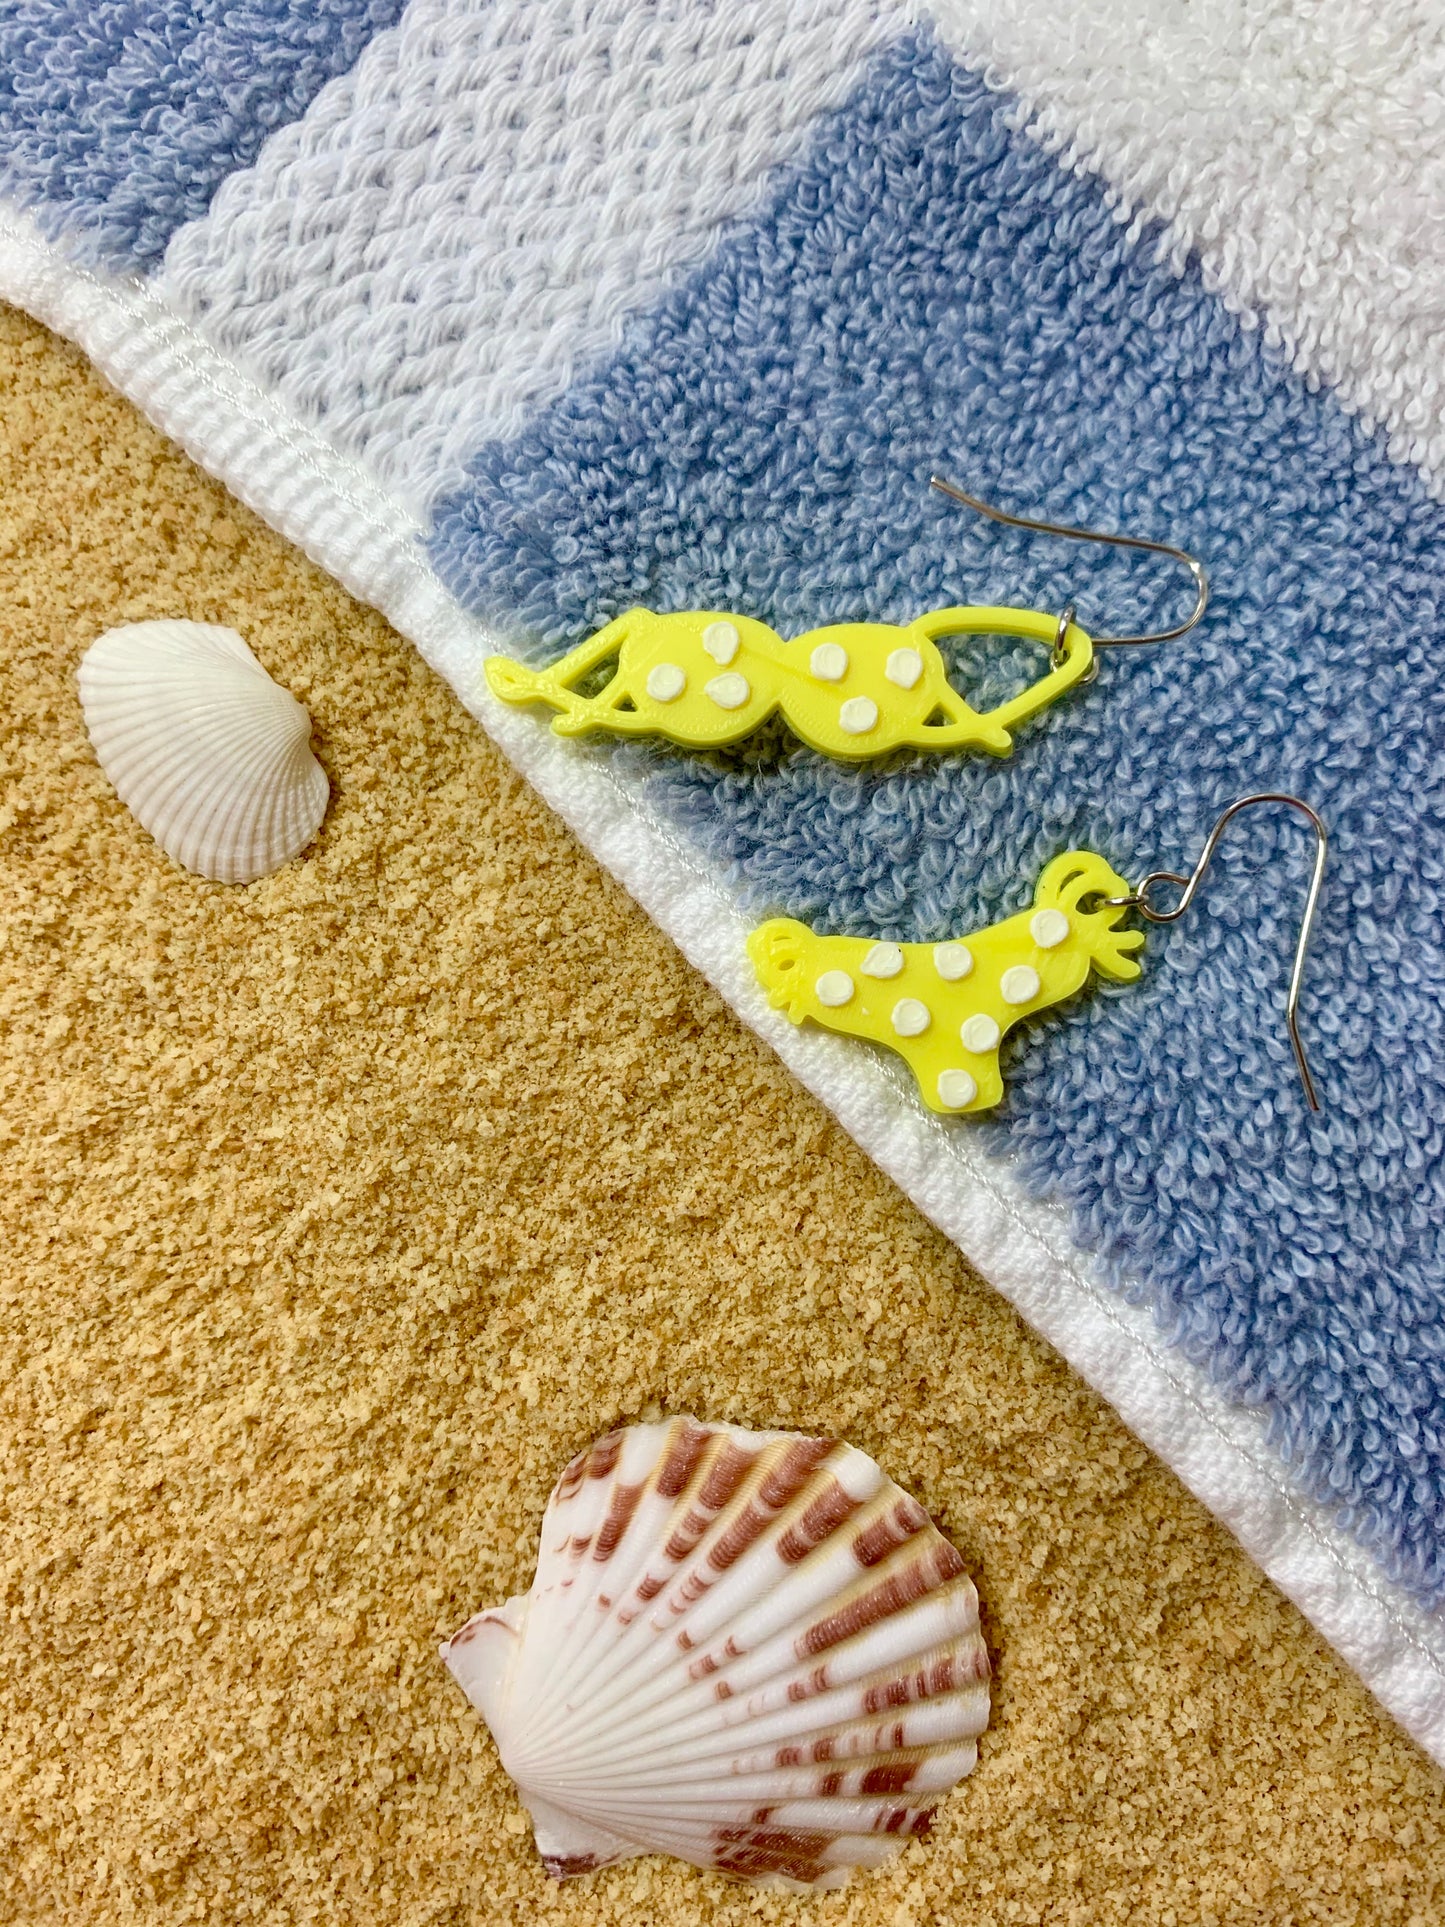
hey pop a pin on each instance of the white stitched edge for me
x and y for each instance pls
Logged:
(337, 515)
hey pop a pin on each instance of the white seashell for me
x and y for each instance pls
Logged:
(210, 755)
(748, 1649)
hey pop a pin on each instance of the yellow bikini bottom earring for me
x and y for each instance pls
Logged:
(854, 690)
(946, 1007)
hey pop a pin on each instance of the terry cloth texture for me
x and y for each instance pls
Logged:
(339, 1210)
(1291, 150)
(118, 119)
(750, 376)
(467, 220)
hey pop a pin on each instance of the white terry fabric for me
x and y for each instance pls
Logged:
(1293, 146)
(469, 216)
(336, 512)
(571, 157)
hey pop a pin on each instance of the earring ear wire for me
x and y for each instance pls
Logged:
(1195, 567)
(1138, 899)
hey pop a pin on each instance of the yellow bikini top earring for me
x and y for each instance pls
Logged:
(853, 690)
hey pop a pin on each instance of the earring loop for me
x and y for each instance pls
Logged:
(1195, 567)
(1138, 899)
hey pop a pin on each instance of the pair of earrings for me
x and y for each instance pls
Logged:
(858, 690)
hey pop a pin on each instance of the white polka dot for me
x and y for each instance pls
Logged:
(979, 1033)
(720, 639)
(1048, 928)
(833, 988)
(1019, 984)
(904, 667)
(910, 1017)
(730, 691)
(829, 662)
(883, 960)
(665, 682)
(952, 961)
(858, 715)
(955, 1089)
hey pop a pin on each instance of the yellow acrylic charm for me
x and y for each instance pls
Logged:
(946, 1007)
(853, 690)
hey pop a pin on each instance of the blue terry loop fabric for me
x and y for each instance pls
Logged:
(119, 119)
(931, 289)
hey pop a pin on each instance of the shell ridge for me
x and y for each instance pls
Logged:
(899, 1693)
(209, 754)
(857, 1744)
(793, 1847)
(817, 1822)
(914, 1769)
(809, 1813)
(817, 1569)
(619, 1515)
(651, 1833)
(580, 1503)
(703, 1591)
(781, 1483)
(948, 1623)
(920, 1658)
(826, 1718)
(177, 635)
(844, 1833)
(722, 1473)
(119, 656)
(873, 1672)
(211, 729)
(232, 809)
(824, 1768)
(197, 699)
(801, 1539)
(873, 1645)
(235, 815)
(605, 1635)
(907, 1577)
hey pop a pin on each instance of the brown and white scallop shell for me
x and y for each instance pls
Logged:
(748, 1649)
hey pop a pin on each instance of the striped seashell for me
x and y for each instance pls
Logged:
(205, 750)
(748, 1649)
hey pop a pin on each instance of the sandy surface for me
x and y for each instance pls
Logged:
(338, 1211)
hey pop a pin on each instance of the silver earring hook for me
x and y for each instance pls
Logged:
(1194, 566)
(1138, 900)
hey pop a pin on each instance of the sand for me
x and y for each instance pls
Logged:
(339, 1210)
